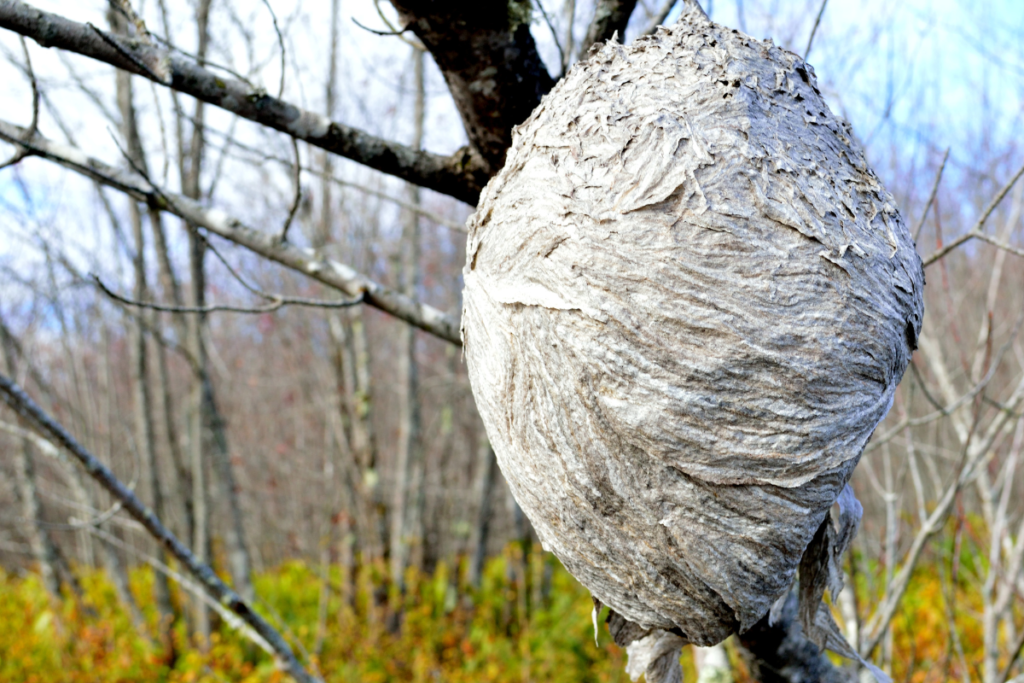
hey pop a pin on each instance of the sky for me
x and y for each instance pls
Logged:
(913, 77)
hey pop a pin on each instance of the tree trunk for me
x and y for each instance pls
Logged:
(208, 433)
(407, 506)
(111, 559)
(182, 476)
(486, 474)
(171, 288)
(42, 545)
(190, 168)
(142, 408)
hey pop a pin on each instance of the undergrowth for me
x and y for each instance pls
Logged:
(525, 623)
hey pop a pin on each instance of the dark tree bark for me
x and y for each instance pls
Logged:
(490, 62)
(460, 175)
(780, 653)
(610, 17)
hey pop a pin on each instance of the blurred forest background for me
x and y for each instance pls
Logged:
(327, 458)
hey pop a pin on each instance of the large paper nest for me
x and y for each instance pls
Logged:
(688, 303)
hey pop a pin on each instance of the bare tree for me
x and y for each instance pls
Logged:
(407, 507)
(355, 429)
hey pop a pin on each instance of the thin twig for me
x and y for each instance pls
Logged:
(408, 206)
(148, 328)
(218, 167)
(924, 387)
(52, 451)
(22, 152)
(1014, 656)
(814, 29)
(229, 618)
(931, 196)
(207, 64)
(562, 58)
(114, 43)
(378, 32)
(661, 16)
(394, 31)
(280, 44)
(24, 406)
(1016, 251)
(298, 193)
(976, 230)
(235, 274)
(306, 261)
(277, 302)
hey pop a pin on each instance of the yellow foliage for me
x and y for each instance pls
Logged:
(511, 630)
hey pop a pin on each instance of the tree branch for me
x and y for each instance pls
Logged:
(276, 302)
(306, 261)
(610, 17)
(20, 152)
(931, 195)
(780, 653)
(461, 175)
(490, 62)
(24, 406)
(976, 231)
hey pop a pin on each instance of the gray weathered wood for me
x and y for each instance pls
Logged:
(458, 175)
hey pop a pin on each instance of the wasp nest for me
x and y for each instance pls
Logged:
(688, 303)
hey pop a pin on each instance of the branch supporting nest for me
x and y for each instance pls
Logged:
(460, 175)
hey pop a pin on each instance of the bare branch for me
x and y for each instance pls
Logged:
(461, 175)
(195, 589)
(297, 199)
(276, 303)
(1016, 251)
(306, 261)
(378, 32)
(610, 17)
(261, 155)
(280, 45)
(931, 196)
(24, 406)
(563, 58)
(22, 152)
(392, 29)
(976, 230)
(490, 63)
(126, 54)
(48, 449)
(661, 16)
(814, 29)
